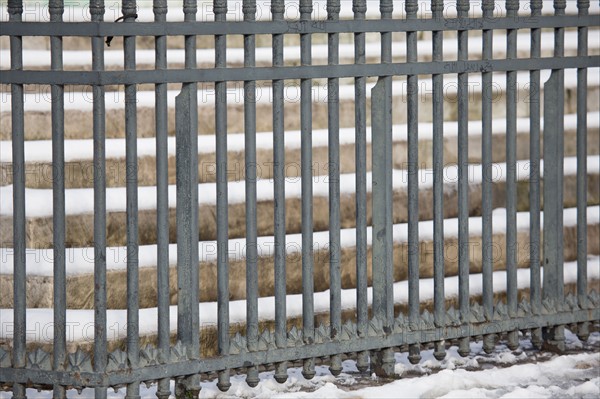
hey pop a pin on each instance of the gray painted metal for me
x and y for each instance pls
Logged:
(544, 314)
(437, 7)
(15, 12)
(249, 9)
(56, 9)
(486, 155)
(582, 286)
(359, 7)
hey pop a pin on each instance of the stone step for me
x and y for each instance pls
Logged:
(145, 58)
(80, 216)
(80, 262)
(78, 106)
(79, 172)
(79, 321)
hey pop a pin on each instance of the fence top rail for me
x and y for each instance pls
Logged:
(95, 29)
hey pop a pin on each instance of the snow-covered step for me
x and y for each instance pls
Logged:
(78, 105)
(80, 210)
(145, 58)
(79, 153)
(80, 262)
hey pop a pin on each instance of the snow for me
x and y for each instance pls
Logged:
(531, 374)
(80, 150)
(81, 260)
(80, 323)
(81, 200)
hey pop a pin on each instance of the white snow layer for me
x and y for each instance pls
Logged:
(81, 260)
(81, 200)
(82, 150)
(80, 323)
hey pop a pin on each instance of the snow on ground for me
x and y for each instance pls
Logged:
(525, 373)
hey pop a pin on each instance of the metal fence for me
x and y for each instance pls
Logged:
(374, 333)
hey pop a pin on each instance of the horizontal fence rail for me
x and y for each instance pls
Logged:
(377, 325)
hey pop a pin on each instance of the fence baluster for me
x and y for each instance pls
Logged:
(277, 10)
(308, 314)
(534, 176)
(99, 134)
(486, 155)
(437, 8)
(359, 7)
(220, 10)
(162, 198)
(56, 9)
(333, 126)
(249, 9)
(129, 9)
(15, 12)
(463, 177)
(412, 112)
(512, 8)
(582, 248)
(386, 7)
(190, 9)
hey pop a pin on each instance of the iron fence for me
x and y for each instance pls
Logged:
(372, 334)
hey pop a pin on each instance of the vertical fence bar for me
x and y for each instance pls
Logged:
(437, 8)
(412, 112)
(559, 52)
(99, 135)
(582, 51)
(308, 313)
(463, 176)
(535, 283)
(220, 10)
(162, 197)
(487, 7)
(386, 8)
(359, 7)
(190, 9)
(512, 8)
(15, 12)
(129, 9)
(333, 121)
(186, 124)
(277, 10)
(252, 379)
(552, 203)
(56, 9)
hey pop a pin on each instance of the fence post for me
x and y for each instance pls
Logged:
(553, 235)
(382, 362)
(187, 228)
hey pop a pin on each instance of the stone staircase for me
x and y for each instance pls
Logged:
(79, 172)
